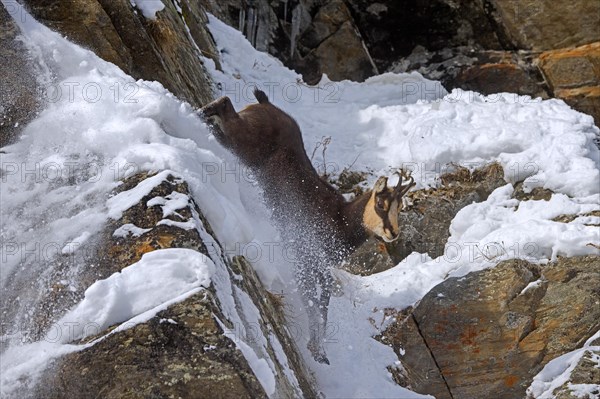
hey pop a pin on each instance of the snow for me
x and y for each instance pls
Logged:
(533, 284)
(187, 225)
(134, 295)
(22, 365)
(405, 120)
(129, 228)
(126, 199)
(58, 179)
(159, 276)
(558, 371)
(171, 203)
(149, 8)
(503, 227)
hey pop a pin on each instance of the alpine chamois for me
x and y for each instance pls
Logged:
(307, 209)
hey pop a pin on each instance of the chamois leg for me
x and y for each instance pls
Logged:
(327, 283)
(313, 294)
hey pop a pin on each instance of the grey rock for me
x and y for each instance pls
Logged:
(19, 89)
(489, 333)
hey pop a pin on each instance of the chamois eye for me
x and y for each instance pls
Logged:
(380, 203)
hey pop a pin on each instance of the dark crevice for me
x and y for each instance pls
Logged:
(432, 355)
(505, 41)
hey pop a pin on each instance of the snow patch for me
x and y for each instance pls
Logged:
(149, 8)
(171, 203)
(159, 276)
(126, 199)
(558, 371)
(127, 229)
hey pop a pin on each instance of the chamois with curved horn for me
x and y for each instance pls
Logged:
(307, 209)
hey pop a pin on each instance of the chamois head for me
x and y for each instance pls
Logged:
(380, 215)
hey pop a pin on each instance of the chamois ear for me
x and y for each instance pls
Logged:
(380, 185)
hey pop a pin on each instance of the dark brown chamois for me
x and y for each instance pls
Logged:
(306, 209)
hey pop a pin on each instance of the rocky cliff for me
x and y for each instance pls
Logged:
(192, 348)
(488, 46)
(18, 88)
(489, 332)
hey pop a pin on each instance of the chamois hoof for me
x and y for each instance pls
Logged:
(318, 353)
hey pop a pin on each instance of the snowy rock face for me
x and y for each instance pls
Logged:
(158, 48)
(181, 352)
(485, 46)
(198, 345)
(168, 309)
(427, 220)
(18, 87)
(489, 333)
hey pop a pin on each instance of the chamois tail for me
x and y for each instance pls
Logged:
(261, 97)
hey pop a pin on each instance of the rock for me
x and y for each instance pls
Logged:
(424, 226)
(328, 20)
(371, 257)
(586, 374)
(160, 49)
(498, 78)
(392, 29)
(483, 71)
(18, 86)
(188, 350)
(341, 56)
(196, 19)
(536, 194)
(572, 67)
(573, 74)
(85, 23)
(421, 370)
(488, 333)
(546, 25)
(182, 352)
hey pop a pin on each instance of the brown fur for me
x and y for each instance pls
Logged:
(308, 210)
(269, 140)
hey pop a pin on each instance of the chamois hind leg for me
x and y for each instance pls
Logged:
(326, 283)
(309, 282)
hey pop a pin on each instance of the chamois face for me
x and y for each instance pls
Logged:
(381, 212)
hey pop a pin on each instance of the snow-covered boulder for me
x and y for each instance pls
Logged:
(167, 314)
(489, 333)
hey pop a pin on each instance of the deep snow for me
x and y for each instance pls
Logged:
(58, 178)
